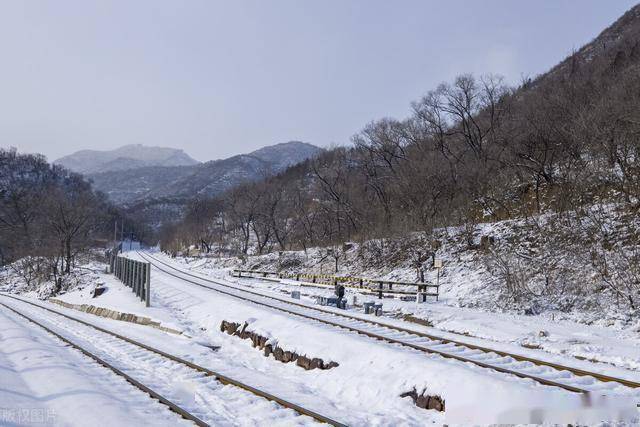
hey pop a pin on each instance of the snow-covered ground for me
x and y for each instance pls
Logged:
(554, 261)
(377, 380)
(44, 382)
(118, 298)
(365, 388)
(520, 333)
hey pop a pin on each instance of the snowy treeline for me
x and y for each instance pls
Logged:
(472, 151)
(48, 216)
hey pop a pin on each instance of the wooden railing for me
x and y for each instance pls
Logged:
(376, 286)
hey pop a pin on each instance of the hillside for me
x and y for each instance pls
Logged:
(205, 179)
(619, 44)
(285, 154)
(133, 156)
(134, 184)
(555, 162)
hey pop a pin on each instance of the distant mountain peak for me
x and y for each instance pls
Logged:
(286, 154)
(129, 156)
(136, 184)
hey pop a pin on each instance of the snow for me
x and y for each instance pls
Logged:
(369, 371)
(44, 382)
(562, 340)
(118, 297)
(365, 388)
(81, 277)
(205, 397)
(553, 250)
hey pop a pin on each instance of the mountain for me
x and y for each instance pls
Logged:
(124, 158)
(618, 45)
(130, 185)
(475, 150)
(286, 154)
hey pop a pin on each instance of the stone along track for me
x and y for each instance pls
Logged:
(540, 371)
(152, 370)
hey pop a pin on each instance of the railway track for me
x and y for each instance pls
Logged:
(541, 371)
(149, 364)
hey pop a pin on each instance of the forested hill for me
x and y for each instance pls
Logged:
(127, 157)
(178, 182)
(618, 44)
(48, 217)
(472, 150)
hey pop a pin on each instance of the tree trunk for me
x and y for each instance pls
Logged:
(67, 269)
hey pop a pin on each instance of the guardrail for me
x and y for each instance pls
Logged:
(380, 286)
(134, 274)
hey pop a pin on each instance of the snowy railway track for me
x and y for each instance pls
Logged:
(541, 371)
(149, 364)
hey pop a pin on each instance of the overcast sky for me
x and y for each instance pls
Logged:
(221, 78)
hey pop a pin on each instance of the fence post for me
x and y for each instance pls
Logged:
(134, 266)
(147, 288)
(141, 280)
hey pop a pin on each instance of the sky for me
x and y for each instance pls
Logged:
(221, 78)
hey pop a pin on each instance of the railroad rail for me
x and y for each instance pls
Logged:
(497, 360)
(223, 379)
(361, 283)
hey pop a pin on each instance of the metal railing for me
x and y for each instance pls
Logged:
(134, 274)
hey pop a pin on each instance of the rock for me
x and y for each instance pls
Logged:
(436, 403)
(331, 364)
(268, 350)
(304, 362)
(98, 291)
(279, 354)
(423, 401)
(315, 363)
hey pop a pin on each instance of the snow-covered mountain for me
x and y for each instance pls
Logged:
(124, 158)
(139, 184)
